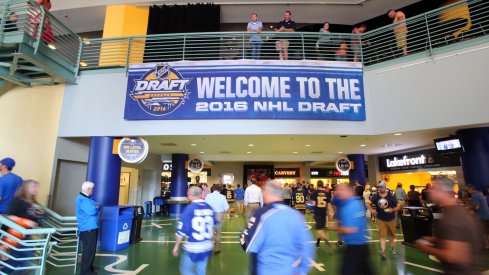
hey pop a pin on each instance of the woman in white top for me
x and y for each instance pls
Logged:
(255, 39)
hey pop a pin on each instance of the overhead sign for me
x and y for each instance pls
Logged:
(343, 165)
(195, 165)
(417, 160)
(287, 172)
(133, 149)
(327, 173)
(245, 89)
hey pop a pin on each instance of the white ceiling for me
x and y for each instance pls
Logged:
(323, 148)
(89, 15)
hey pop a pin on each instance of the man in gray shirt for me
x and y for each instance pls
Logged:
(287, 194)
(401, 198)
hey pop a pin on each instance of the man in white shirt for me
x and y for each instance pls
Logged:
(253, 199)
(220, 205)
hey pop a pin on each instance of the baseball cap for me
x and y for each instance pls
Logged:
(381, 185)
(10, 163)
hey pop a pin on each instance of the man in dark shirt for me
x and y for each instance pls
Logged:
(425, 193)
(457, 240)
(282, 45)
(387, 206)
(319, 201)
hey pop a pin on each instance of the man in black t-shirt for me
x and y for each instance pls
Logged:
(282, 45)
(319, 201)
(387, 206)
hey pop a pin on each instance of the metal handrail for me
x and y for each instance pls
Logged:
(31, 249)
(64, 251)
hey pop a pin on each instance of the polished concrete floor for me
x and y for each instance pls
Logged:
(153, 254)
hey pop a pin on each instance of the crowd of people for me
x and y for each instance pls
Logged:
(275, 235)
(328, 47)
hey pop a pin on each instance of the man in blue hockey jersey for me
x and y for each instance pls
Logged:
(277, 237)
(197, 225)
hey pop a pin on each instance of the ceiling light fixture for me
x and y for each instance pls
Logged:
(248, 152)
(193, 144)
(202, 152)
(308, 145)
(363, 145)
(295, 152)
(398, 134)
(251, 145)
(340, 152)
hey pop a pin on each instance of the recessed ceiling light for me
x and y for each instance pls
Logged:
(251, 145)
(83, 64)
(340, 152)
(295, 152)
(248, 152)
(308, 145)
(202, 152)
(193, 144)
(363, 145)
(398, 134)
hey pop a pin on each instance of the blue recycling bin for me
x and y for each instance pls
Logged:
(116, 227)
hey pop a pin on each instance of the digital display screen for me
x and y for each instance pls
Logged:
(450, 144)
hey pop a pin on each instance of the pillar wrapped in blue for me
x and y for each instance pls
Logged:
(104, 170)
(357, 173)
(475, 159)
(178, 187)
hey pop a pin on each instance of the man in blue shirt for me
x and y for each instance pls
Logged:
(9, 183)
(481, 209)
(239, 199)
(277, 237)
(353, 226)
(196, 224)
(387, 206)
(87, 217)
(282, 44)
(220, 205)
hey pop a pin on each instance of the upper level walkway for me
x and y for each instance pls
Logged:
(36, 48)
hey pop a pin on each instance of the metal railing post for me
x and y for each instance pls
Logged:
(39, 28)
(303, 47)
(128, 54)
(184, 49)
(361, 48)
(78, 59)
(428, 33)
(243, 48)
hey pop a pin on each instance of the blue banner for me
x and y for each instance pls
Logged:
(246, 89)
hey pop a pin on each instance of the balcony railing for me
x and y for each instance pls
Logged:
(454, 23)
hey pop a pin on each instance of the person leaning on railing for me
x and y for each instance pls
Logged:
(400, 30)
(255, 40)
(323, 45)
(282, 44)
(35, 19)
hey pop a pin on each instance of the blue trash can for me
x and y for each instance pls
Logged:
(149, 208)
(116, 227)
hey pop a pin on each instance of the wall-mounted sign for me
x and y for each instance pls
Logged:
(287, 172)
(343, 165)
(133, 149)
(195, 165)
(327, 173)
(167, 166)
(417, 160)
(242, 89)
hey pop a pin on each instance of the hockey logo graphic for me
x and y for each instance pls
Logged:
(160, 91)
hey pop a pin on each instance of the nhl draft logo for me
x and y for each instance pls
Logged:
(160, 91)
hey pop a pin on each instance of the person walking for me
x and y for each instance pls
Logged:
(352, 226)
(287, 194)
(239, 199)
(277, 237)
(9, 183)
(457, 238)
(401, 198)
(87, 217)
(387, 205)
(195, 225)
(253, 199)
(220, 206)
(319, 201)
(481, 209)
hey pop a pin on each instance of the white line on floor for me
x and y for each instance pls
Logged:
(424, 267)
(156, 241)
(231, 232)
(121, 259)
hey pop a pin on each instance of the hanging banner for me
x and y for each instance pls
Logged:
(246, 89)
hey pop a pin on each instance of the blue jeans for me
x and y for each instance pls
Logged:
(255, 50)
(188, 267)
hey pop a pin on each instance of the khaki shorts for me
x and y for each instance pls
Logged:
(239, 203)
(282, 45)
(401, 38)
(386, 228)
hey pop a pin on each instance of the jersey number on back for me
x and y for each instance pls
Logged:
(203, 228)
(299, 198)
(321, 202)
